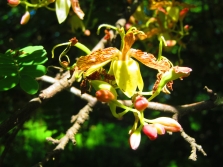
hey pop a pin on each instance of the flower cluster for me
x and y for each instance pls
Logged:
(124, 74)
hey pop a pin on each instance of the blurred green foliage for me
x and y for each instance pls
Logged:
(103, 140)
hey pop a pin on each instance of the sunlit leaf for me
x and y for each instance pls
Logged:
(33, 70)
(29, 84)
(29, 50)
(5, 59)
(8, 69)
(8, 82)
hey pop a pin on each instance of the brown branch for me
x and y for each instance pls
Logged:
(81, 117)
(194, 146)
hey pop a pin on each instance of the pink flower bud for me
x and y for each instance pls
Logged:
(171, 43)
(183, 13)
(25, 18)
(141, 103)
(13, 3)
(104, 95)
(134, 139)
(87, 32)
(168, 123)
(186, 27)
(150, 131)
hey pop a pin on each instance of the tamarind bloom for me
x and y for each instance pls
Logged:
(169, 124)
(141, 103)
(13, 3)
(104, 95)
(25, 18)
(135, 139)
(150, 131)
(125, 69)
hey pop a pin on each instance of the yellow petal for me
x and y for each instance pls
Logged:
(128, 76)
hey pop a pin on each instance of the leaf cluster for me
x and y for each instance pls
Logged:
(22, 67)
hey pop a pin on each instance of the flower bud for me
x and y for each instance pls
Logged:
(13, 3)
(187, 27)
(150, 131)
(168, 123)
(104, 95)
(171, 43)
(183, 13)
(141, 103)
(160, 129)
(134, 139)
(25, 18)
(102, 85)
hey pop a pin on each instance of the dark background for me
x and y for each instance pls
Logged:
(103, 140)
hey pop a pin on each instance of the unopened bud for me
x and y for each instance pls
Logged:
(141, 103)
(186, 27)
(171, 43)
(87, 32)
(168, 123)
(183, 13)
(134, 139)
(13, 3)
(160, 129)
(25, 18)
(150, 131)
(104, 95)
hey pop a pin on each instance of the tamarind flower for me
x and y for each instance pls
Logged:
(125, 69)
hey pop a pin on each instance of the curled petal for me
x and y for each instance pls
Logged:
(97, 57)
(149, 60)
(76, 8)
(181, 72)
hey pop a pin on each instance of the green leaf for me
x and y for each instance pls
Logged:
(33, 70)
(8, 70)
(8, 82)
(62, 10)
(40, 60)
(29, 84)
(29, 50)
(6, 59)
(32, 55)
